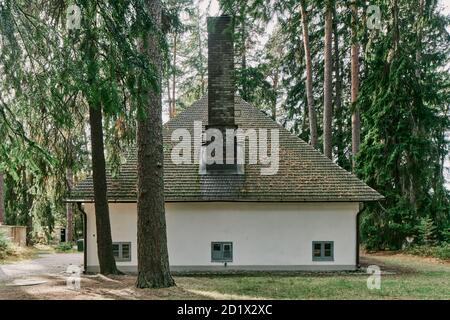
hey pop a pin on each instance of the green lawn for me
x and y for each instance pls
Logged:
(406, 277)
(409, 278)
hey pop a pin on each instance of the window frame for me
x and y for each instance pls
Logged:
(322, 251)
(222, 244)
(120, 258)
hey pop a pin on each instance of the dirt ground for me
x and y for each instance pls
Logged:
(41, 263)
(51, 283)
(92, 287)
(46, 278)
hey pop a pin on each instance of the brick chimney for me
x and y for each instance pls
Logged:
(221, 84)
(220, 71)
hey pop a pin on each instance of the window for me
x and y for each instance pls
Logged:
(122, 251)
(221, 251)
(323, 250)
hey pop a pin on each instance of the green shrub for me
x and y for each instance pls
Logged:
(4, 246)
(441, 251)
(427, 231)
(446, 235)
(420, 250)
(64, 247)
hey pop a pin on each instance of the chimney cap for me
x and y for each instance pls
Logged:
(225, 20)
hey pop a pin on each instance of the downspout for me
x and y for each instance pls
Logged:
(361, 207)
(84, 236)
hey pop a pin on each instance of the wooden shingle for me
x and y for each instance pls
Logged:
(304, 175)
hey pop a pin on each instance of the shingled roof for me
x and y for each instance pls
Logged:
(304, 175)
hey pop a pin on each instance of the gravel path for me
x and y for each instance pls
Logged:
(45, 264)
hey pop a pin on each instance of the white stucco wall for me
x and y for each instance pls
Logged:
(264, 235)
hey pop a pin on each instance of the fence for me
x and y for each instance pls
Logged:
(16, 234)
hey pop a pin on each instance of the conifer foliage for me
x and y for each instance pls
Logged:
(390, 110)
(383, 93)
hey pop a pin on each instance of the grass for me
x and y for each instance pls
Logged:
(66, 247)
(408, 277)
(404, 277)
(17, 253)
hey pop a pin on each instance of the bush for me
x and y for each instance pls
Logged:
(445, 234)
(427, 231)
(441, 251)
(4, 246)
(65, 247)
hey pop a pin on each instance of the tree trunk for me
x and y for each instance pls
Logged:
(338, 92)
(2, 199)
(69, 208)
(168, 93)
(305, 119)
(395, 30)
(414, 123)
(275, 90)
(28, 200)
(355, 84)
(200, 53)
(245, 91)
(309, 86)
(421, 5)
(102, 222)
(153, 258)
(173, 108)
(327, 82)
(104, 239)
(365, 40)
(202, 79)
